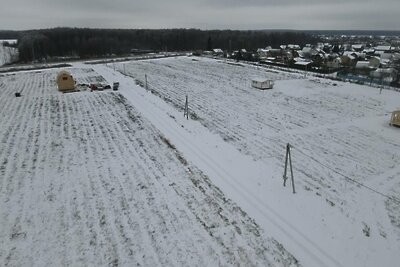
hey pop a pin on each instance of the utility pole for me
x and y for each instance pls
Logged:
(288, 158)
(186, 110)
(145, 78)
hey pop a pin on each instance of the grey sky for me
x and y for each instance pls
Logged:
(203, 14)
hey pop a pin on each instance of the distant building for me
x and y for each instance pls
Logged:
(362, 65)
(335, 63)
(65, 81)
(218, 52)
(294, 47)
(357, 47)
(374, 62)
(388, 74)
(262, 83)
(383, 48)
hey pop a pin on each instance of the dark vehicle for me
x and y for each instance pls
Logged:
(96, 87)
(93, 87)
(107, 86)
(115, 86)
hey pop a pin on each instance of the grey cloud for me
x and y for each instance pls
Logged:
(204, 14)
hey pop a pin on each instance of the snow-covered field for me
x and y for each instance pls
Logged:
(123, 178)
(85, 180)
(339, 132)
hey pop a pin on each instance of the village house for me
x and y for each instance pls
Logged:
(374, 62)
(218, 52)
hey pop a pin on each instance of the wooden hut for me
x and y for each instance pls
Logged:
(65, 81)
(395, 120)
(262, 84)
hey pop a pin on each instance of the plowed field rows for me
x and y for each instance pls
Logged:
(86, 181)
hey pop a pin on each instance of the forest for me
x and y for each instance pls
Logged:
(46, 44)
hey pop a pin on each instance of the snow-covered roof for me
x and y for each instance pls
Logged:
(294, 46)
(369, 50)
(362, 65)
(218, 50)
(303, 63)
(386, 70)
(358, 46)
(383, 48)
(260, 80)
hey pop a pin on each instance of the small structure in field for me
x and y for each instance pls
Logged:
(262, 83)
(65, 81)
(395, 120)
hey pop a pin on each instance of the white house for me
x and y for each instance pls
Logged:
(218, 52)
(384, 48)
(362, 65)
(262, 83)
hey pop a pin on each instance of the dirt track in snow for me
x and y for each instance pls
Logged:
(85, 180)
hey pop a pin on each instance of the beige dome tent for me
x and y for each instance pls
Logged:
(65, 81)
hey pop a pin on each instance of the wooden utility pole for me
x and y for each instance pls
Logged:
(186, 110)
(288, 158)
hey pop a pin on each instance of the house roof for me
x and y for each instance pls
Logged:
(260, 80)
(383, 48)
(357, 46)
(218, 50)
(293, 46)
(362, 64)
(63, 73)
(369, 50)
(303, 63)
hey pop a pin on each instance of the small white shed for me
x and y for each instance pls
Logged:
(262, 83)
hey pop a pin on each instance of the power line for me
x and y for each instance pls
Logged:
(395, 199)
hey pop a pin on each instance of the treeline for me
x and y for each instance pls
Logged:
(9, 34)
(87, 43)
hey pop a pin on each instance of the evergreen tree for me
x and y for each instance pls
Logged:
(209, 44)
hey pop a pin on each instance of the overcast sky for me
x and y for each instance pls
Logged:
(202, 14)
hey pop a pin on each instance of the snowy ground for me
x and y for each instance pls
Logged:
(86, 180)
(337, 129)
(123, 178)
